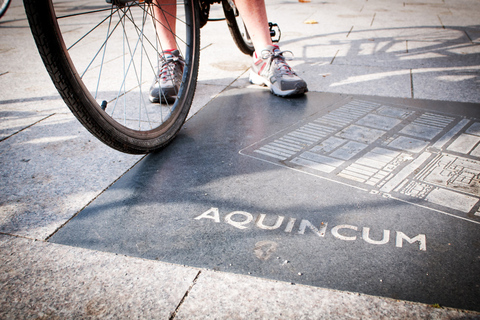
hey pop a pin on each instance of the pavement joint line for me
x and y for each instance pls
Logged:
(35, 99)
(373, 19)
(228, 86)
(94, 198)
(349, 31)
(347, 292)
(25, 128)
(333, 59)
(180, 304)
(18, 236)
(468, 313)
(439, 19)
(466, 33)
(174, 313)
(411, 84)
(14, 20)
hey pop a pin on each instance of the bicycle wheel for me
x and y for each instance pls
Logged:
(4, 6)
(237, 28)
(102, 59)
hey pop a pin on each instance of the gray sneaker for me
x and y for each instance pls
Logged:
(272, 70)
(165, 87)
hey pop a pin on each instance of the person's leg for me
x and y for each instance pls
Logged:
(167, 82)
(269, 67)
(165, 13)
(254, 15)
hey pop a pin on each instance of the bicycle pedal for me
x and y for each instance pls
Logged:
(275, 32)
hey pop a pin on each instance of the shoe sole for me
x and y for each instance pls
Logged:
(154, 99)
(166, 98)
(157, 100)
(254, 78)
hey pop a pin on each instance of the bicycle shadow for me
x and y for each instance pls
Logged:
(152, 211)
(417, 62)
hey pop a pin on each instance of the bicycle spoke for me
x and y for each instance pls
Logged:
(104, 45)
(105, 55)
(122, 34)
(131, 63)
(82, 13)
(92, 29)
(141, 104)
(142, 34)
(168, 27)
(157, 44)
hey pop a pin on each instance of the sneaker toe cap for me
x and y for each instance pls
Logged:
(287, 85)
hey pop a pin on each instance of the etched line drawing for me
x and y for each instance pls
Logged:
(393, 150)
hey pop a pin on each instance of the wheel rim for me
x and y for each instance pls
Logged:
(114, 50)
(3, 6)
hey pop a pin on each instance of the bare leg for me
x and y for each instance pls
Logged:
(166, 85)
(254, 16)
(165, 12)
(270, 69)
(253, 13)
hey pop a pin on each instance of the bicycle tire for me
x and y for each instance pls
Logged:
(4, 4)
(129, 135)
(237, 28)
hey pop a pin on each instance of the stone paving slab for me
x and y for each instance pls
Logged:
(368, 80)
(50, 171)
(448, 79)
(51, 167)
(39, 280)
(217, 295)
(404, 39)
(27, 95)
(260, 185)
(14, 122)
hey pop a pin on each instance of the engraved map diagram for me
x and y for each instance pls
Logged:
(396, 151)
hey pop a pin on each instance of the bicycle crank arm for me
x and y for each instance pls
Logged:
(274, 34)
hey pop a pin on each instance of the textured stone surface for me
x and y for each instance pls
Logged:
(39, 280)
(50, 171)
(51, 167)
(219, 295)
